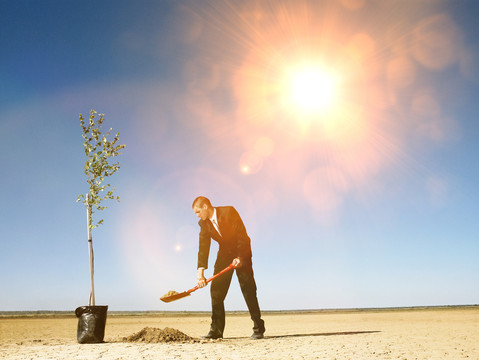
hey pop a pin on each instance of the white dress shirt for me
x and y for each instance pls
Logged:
(214, 220)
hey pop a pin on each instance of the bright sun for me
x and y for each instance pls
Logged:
(311, 89)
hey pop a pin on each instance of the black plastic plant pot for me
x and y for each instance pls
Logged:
(91, 324)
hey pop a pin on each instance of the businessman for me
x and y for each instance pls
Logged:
(224, 225)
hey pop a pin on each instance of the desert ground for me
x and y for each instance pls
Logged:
(404, 334)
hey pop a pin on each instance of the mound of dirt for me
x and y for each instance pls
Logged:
(154, 335)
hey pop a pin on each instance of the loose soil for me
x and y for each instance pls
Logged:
(155, 335)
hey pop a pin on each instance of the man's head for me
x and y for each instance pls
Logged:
(202, 207)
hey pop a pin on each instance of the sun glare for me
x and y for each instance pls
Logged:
(311, 89)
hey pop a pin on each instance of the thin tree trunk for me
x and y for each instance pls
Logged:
(91, 300)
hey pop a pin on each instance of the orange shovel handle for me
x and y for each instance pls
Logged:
(232, 266)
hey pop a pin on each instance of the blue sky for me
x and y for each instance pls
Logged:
(368, 201)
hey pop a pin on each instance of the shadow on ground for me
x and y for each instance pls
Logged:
(316, 334)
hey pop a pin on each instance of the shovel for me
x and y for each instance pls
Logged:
(173, 295)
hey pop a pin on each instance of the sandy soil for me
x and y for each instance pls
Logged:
(442, 334)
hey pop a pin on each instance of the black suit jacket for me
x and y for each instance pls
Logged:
(233, 241)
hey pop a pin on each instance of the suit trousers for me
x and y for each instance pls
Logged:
(219, 289)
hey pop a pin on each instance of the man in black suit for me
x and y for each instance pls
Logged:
(224, 225)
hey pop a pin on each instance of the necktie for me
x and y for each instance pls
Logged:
(216, 226)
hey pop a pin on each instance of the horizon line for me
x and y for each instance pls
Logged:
(20, 313)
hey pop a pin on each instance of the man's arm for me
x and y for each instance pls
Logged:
(243, 240)
(203, 248)
(203, 254)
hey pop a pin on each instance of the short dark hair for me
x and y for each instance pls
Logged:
(200, 201)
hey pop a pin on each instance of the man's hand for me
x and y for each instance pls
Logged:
(201, 280)
(237, 262)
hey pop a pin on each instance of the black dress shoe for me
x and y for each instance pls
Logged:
(212, 335)
(257, 336)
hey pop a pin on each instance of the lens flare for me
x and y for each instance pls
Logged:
(310, 89)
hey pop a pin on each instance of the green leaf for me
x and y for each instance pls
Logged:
(99, 151)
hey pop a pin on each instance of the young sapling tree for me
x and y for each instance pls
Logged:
(99, 165)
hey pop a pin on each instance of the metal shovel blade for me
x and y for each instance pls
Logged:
(169, 297)
(173, 295)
